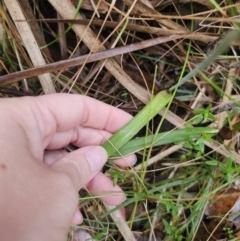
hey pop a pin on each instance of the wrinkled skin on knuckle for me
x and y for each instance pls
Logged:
(75, 174)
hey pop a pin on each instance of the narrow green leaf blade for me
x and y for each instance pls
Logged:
(221, 47)
(162, 139)
(121, 137)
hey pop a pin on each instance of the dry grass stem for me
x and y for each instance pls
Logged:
(121, 223)
(30, 44)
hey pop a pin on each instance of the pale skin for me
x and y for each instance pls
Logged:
(39, 182)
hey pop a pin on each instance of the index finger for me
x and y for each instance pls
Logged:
(62, 112)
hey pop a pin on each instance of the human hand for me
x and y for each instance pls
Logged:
(39, 182)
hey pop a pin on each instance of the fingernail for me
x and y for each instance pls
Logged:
(96, 157)
(133, 164)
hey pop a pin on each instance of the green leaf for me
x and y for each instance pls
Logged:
(121, 137)
(221, 47)
(163, 138)
(213, 163)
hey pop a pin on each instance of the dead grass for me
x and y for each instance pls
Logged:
(173, 188)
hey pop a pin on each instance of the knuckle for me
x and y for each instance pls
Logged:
(73, 174)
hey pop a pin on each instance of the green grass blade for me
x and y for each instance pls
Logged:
(221, 47)
(121, 137)
(162, 139)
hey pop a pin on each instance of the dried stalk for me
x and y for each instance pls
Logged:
(30, 43)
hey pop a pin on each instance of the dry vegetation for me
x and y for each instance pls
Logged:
(178, 191)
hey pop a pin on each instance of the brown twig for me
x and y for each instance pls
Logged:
(10, 78)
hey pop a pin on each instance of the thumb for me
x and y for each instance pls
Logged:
(82, 165)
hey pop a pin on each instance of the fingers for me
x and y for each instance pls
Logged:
(76, 166)
(126, 161)
(50, 157)
(84, 165)
(84, 136)
(79, 136)
(77, 218)
(61, 112)
(81, 167)
(103, 188)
